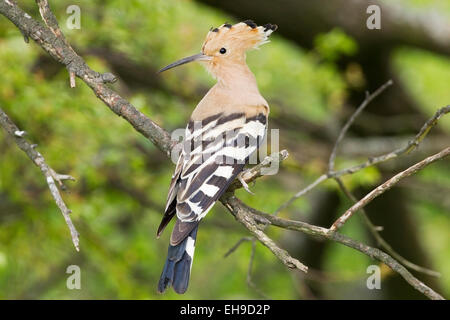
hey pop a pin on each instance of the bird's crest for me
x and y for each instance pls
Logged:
(239, 37)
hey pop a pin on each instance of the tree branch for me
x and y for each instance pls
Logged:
(57, 47)
(324, 233)
(250, 282)
(386, 186)
(367, 100)
(237, 209)
(409, 147)
(255, 172)
(374, 230)
(50, 175)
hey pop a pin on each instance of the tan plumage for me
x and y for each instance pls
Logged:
(225, 129)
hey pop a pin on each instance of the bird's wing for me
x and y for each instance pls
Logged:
(215, 152)
(171, 202)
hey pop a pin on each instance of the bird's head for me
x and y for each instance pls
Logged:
(225, 47)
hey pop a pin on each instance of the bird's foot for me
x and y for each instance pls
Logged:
(244, 184)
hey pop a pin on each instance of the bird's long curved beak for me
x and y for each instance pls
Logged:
(195, 57)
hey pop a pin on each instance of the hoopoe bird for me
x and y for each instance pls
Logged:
(225, 129)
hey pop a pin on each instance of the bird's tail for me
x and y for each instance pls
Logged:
(177, 268)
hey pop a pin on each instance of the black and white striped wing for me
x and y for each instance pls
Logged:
(215, 152)
(171, 203)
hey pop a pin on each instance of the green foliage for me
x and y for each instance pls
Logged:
(427, 77)
(331, 45)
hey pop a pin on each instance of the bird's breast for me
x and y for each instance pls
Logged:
(227, 101)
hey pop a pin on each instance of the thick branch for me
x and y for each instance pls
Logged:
(57, 47)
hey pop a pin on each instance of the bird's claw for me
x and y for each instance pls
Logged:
(244, 184)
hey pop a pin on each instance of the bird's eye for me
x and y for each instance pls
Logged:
(222, 50)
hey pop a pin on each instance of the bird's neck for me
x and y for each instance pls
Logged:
(236, 86)
(236, 77)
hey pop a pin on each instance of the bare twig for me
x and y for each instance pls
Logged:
(250, 223)
(234, 204)
(302, 192)
(386, 186)
(364, 104)
(50, 19)
(51, 23)
(255, 172)
(234, 248)
(374, 230)
(250, 282)
(50, 175)
(410, 146)
(72, 79)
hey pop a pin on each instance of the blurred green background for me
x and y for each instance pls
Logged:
(122, 179)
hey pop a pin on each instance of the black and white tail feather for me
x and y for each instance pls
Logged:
(215, 152)
(177, 269)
